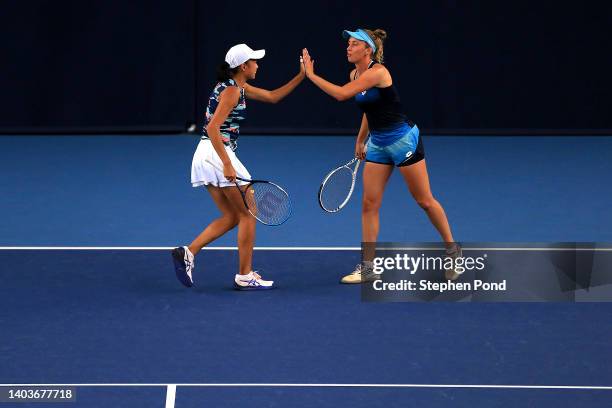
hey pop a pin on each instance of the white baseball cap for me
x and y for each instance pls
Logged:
(241, 53)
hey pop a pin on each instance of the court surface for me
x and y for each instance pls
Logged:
(88, 294)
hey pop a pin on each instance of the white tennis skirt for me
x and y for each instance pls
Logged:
(204, 174)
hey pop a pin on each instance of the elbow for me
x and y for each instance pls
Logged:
(341, 97)
(273, 98)
(210, 128)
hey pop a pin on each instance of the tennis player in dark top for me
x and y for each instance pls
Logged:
(394, 141)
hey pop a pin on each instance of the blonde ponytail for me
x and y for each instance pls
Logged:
(378, 36)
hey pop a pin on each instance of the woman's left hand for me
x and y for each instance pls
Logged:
(308, 63)
(302, 73)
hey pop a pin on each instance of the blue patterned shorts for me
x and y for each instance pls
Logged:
(404, 152)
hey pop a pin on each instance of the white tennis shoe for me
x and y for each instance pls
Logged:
(183, 265)
(361, 274)
(453, 252)
(252, 281)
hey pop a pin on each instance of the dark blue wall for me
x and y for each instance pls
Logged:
(467, 67)
(97, 65)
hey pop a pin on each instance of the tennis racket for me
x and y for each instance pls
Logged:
(337, 187)
(268, 202)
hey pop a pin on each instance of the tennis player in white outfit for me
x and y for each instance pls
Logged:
(226, 109)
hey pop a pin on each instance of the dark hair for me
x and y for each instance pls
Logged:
(378, 36)
(224, 72)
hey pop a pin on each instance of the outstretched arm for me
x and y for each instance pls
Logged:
(367, 80)
(277, 94)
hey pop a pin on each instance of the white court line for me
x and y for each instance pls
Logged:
(42, 248)
(296, 248)
(170, 395)
(495, 249)
(172, 387)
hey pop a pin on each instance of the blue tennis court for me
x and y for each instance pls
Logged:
(495, 291)
(89, 295)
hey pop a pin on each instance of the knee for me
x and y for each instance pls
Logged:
(231, 220)
(370, 205)
(426, 203)
(244, 216)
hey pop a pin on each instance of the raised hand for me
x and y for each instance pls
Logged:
(302, 70)
(308, 63)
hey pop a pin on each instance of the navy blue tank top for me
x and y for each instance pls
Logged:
(383, 109)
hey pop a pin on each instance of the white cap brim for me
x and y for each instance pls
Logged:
(259, 54)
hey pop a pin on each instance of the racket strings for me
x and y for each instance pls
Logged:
(268, 203)
(336, 189)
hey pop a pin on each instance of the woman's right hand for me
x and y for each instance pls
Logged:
(229, 172)
(360, 150)
(308, 63)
